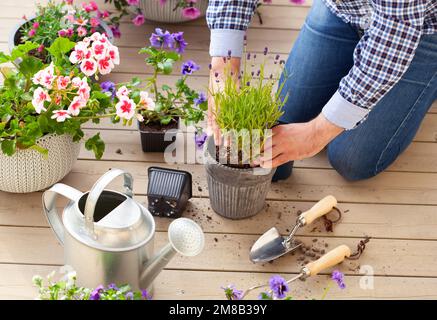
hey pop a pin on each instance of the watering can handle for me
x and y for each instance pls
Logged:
(49, 206)
(97, 190)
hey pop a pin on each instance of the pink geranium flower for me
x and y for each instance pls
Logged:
(75, 106)
(125, 108)
(105, 65)
(60, 115)
(146, 102)
(62, 82)
(122, 92)
(40, 96)
(88, 67)
(80, 53)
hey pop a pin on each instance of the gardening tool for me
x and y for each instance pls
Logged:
(108, 237)
(271, 245)
(330, 259)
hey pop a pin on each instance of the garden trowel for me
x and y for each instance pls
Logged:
(271, 245)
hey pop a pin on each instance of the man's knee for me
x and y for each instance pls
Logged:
(351, 165)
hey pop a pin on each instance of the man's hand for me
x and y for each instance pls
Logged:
(297, 141)
(217, 78)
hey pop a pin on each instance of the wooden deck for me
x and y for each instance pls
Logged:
(398, 209)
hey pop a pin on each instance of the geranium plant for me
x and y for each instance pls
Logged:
(165, 104)
(67, 289)
(63, 19)
(126, 7)
(38, 99)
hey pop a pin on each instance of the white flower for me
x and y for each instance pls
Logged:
(84, 89)
(75, 106)
(125, 109)
(146, 102)
(45, 77)
(114, 54)
(62, 82)
(123, 92)
(88, 67)
(40, 96)
(140, 118)
(80, 53)
(99, 50)
(60, 115)
(105, 65)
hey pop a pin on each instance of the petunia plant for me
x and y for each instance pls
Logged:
(168, 103)
(38, 99)
(64, 19)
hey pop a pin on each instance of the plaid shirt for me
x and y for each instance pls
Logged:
(392, 33)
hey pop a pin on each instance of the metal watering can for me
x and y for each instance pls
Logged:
(108, 237)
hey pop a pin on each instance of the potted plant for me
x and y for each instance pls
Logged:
(165, 11)
(246, 109)
(62, 19)
(42, 109)
(167, 106)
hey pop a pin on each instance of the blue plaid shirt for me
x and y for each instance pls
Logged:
(392, 33)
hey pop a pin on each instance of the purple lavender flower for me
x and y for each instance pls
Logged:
(279, 286)
(200, 99)
(200, 140)
(338, 277)
(95, 295)
(161, 39)
(189, 67)
(145, 294)
(232, 293)
(108, 86)
(179, 42)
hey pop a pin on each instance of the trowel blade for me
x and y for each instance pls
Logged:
(270, 246)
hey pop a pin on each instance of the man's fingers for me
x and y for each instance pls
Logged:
(276, 162)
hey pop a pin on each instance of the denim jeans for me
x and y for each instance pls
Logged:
(321, 57)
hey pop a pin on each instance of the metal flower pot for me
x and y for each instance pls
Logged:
(235, 193)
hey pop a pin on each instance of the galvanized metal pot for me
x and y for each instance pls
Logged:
(165, 13)
(235, 193)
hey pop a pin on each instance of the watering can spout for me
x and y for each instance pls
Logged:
(185, 237)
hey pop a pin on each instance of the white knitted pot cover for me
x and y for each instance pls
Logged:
(28, 171)
(164, 13)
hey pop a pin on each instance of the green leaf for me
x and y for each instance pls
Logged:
(4, 58)
(96, 145)
(135, 82)
(43, 151)
(168, 66)
(22, 50)
(165, 121)
(30, 65)
(173, 56)
(9, 147)
(60, 47)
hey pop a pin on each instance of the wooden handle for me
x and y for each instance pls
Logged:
(332, 258)
(321, 208)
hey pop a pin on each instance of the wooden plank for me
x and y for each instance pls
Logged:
(375, 220)
(229, 252)
(304, 184)
(181, 285)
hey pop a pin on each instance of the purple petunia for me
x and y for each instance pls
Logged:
(116, 31)
(200, 140)
(161, 39)
(179, 42)
(189, 67)
(232, 293)
(338, 277)
(279, 286)
(200, 99)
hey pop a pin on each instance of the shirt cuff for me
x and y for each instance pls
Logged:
(342, 113)
(224, 41)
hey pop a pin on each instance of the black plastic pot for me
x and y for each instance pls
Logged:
(153, 140)
(15, 35)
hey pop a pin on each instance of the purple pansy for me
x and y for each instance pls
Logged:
(108, 86)
(232, 293)
(112, 286)
(200, 99)
(179, 42)
(338, 277)
(161, 39)
(145, 294)
(129, 296)
(189, 67)
(95, 295)
(279, 286)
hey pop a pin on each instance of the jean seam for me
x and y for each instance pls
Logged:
(328, 36)
(408, 116)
